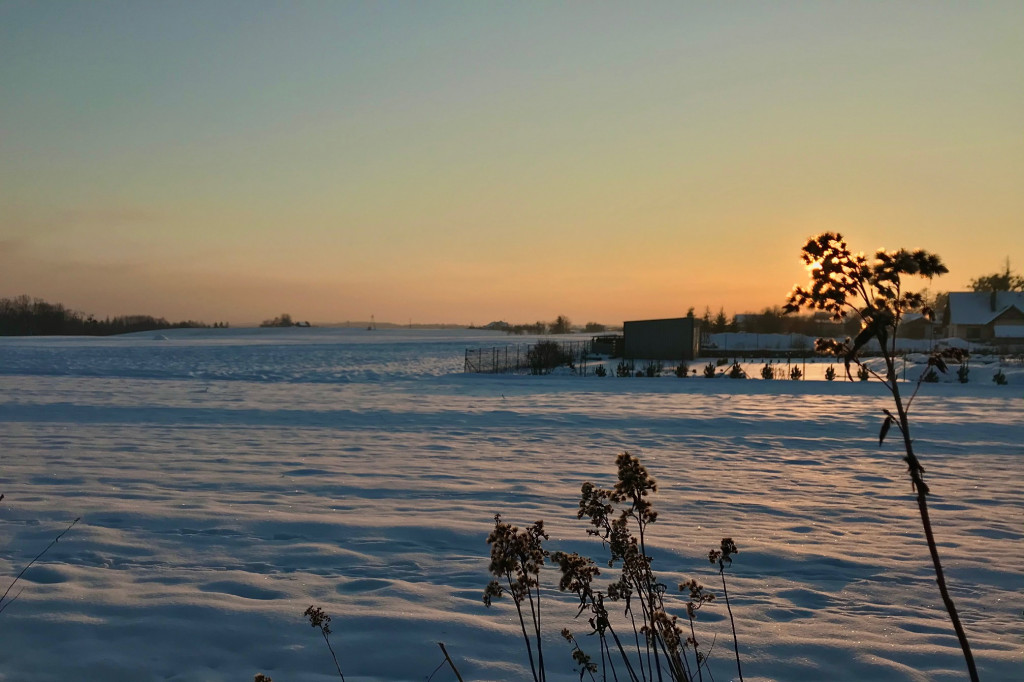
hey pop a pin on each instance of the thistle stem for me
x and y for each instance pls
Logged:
(735, 640)
(916, 472)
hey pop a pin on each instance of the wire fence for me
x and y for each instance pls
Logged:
(535, 358)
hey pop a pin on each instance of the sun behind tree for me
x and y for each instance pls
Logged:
(844, 284)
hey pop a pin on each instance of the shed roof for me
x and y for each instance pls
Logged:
(661, 319)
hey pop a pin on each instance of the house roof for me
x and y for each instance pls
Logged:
(981, 307)
(914, 317)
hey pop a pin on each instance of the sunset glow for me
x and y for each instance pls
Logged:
(468, 162)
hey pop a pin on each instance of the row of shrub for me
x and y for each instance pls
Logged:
(654, 368)
(962, 374)
(769, 372)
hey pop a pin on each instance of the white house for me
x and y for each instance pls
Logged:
(989, 316)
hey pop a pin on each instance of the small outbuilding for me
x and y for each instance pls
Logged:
(673, 339)
(916, 326)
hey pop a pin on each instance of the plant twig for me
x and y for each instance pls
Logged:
(732, 622)
(334, 656)
(450, 662)
(723, 557)
(4, 601)
(319, 619)
(916, 472)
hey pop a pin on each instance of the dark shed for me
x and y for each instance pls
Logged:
(676, 338)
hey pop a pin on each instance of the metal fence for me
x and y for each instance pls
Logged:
(536, 358)
(495, 360)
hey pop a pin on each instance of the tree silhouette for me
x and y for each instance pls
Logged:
(282, 320)
(561, 325)
(999, 281)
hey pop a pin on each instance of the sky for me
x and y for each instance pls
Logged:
(475, 161)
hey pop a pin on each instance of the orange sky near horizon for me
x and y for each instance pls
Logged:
(463, 163)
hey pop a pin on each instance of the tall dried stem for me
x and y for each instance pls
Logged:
(843, 283)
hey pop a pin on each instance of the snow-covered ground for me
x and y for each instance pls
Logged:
(227, 479)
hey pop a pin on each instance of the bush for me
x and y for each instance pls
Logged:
(767, 373)
(709, 370)
(830, 373)
(931, 376)
(600, 371)
(1000, 378)
(795, 373)
(862, 373)
(653, 369)
(546, 355)
(624, 369)
(961, 374)
(682, 370)
(736, 372)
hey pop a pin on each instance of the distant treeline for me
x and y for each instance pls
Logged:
(561, 325)
(24, 316)
(769, 321)
(284, 320)
(774, 321)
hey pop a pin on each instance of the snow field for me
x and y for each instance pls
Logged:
(226, 482)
